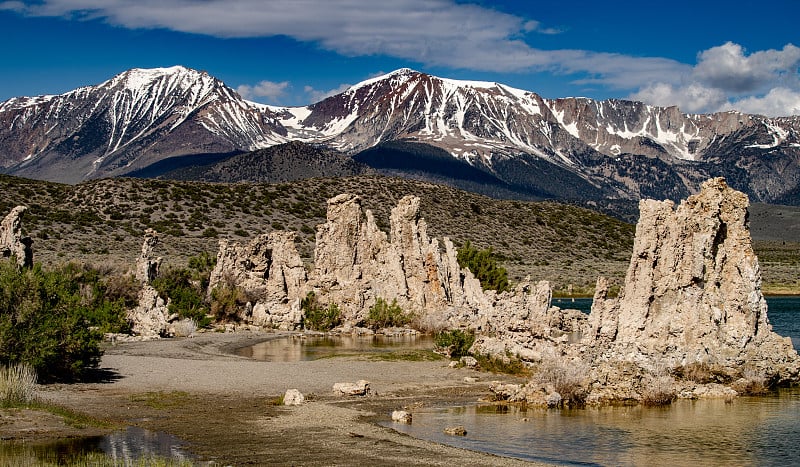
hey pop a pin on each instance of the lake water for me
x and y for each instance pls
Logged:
(303, 348)
(760, 431)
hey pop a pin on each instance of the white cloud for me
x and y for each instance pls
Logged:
(433, 32)
(315, 95)
(693, 98)
(728, 68)
(270, 90)
(777, 102)
(726, 78)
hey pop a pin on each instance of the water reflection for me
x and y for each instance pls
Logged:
(125, 447)
(301, 348)
(749, 431)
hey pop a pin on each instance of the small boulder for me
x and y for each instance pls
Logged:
(293, 397)
(401, 416)
(469, 362)
(455, 431)
(359, 388)
(553, 399)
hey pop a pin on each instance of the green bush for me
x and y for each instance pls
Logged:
(455, 342)
(384, 315)
(185, 298)
(54, 320)
(319, 318)
(483, 264)
(226, 301)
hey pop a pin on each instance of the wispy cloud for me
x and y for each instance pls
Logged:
(272, 91)
(444, 33)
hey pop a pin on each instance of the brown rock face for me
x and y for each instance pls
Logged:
(12, 243)
(692, 292)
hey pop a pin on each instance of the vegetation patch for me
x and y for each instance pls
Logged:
(484, 265)
(508, 364)
(385, 315)
(407, 356)
(317, 317)
(455, 343)
(53, 320)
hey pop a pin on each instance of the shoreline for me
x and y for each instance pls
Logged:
(223, 405)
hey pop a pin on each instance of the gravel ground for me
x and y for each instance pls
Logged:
(223, 405)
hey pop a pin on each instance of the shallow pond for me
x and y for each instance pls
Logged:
(749, 431)
(301, 348)
(126, 447)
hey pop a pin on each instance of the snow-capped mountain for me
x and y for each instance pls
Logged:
(622, 148)
(132, 120)
(407, 121)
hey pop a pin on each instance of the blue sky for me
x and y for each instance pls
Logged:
(702, 56)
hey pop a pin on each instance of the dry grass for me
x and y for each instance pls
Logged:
(658, 390)
(17, 384)
(568, 377)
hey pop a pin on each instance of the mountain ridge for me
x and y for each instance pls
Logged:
(614, 149)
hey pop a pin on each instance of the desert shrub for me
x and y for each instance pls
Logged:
(658, 390)
(506, 364)
(318, 317)
(703, 373)
(53, 320)
(751, 383)
(483, 264)
(226, 301)
(185, 298)
(201, 267)
(123, 287)
(385, 315)
(567, 377)
(17, 384)
(456, 343)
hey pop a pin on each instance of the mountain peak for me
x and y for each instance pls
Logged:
(402, 73)
(137, 78)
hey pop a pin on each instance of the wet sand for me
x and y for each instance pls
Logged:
(223, 405)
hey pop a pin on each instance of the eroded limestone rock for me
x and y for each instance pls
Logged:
(359, 388)
(147, 265)
(293, 397)
(692, 292)
(270, 272)
(150, 317)
(12, 242)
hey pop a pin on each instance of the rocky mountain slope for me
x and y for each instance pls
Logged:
(401, 123)
(136, 118)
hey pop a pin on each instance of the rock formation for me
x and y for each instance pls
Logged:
(147, 266)
(150, 317)
(270, 271)
(356, 263)
(692, 292)
(12, 243)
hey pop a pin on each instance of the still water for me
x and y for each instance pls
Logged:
(131, 446)
(759, 431)
(300, 348)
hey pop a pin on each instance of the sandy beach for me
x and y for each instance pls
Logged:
(223, 405)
